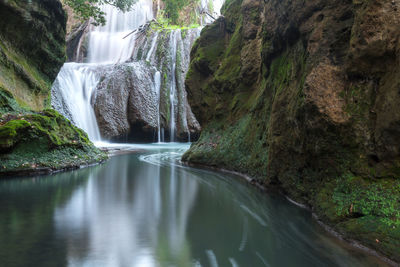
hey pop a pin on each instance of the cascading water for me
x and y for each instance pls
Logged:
(76, 82)
(172, 92)
(132, 82)
(112, 43)
(153, 45)
(157, 87)
(75, 85)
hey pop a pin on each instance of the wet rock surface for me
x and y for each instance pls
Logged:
(126, 98)
(33, 138)
(303, 95)
(132, 100)
(157, 50)
(32, 45)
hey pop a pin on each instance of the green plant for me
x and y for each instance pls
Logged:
(91, 8)
(172, 8)
(164, 23)
(362, 197)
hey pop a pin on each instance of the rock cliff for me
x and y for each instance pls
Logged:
(32, 49)
(34, 138)
(305, 95)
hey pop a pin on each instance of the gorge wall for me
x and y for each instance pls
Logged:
(34, 138)
(32, 49)
(305, 95)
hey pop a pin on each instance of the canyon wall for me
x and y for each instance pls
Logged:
(34, 138)
(305, 95)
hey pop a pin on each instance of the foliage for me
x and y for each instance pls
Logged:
(380, 198)
(173, 7)
(91, 8)
(164, 23)
(86, 9)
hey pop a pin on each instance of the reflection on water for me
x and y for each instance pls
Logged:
(148, 210)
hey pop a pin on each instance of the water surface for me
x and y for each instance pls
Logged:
(146, 209)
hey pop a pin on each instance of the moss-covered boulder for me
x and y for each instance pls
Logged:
(43, 142)
(304, 95)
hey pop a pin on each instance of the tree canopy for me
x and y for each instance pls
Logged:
(91, 8)
(86, 9)
(172, 8)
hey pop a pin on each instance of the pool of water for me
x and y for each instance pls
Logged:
(147, 209)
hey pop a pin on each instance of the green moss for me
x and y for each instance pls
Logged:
(209, 50)
(139, 54)
(44, 140)
(9, 133)
(358, 102)
(233, 147)
(32, 50)
(365, 209)
(375, 233)
(184, 33)
(22, 80)
(368, 197)
(8, 103)
(230, 66)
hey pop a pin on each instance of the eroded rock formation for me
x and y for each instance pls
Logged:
(34, 138)
(305, 94)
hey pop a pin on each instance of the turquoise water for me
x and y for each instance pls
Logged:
(146, 209)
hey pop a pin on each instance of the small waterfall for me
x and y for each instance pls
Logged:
(75, 85)
(153, 45)
(111, 43)
(172, 91)
(157, 85)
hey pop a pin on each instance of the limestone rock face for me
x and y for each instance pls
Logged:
(77, 41)
(125, 99)
(32, 48)
(133, 100)
(305, 94)
(76, 37)
(171, 56)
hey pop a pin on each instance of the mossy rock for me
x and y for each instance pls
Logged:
(10, 133)
(32, 49)
(8, 103)
(274, 121)
(45, 141)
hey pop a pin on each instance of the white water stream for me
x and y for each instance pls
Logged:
(172, 93)
(76, 83)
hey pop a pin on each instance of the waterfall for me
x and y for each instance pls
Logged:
(109, 44)
(75, 85)
(157, 87)
(153, 45)
(131, 84)
(172, 91)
